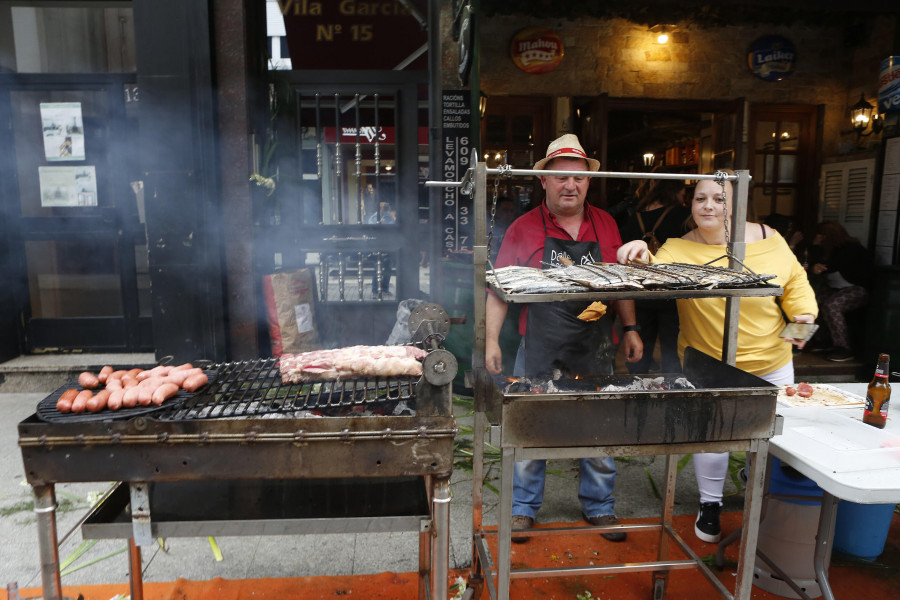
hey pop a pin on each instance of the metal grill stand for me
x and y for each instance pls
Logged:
(256, 457)
(491, 408)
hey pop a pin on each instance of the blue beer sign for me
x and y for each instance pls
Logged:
(772, 57)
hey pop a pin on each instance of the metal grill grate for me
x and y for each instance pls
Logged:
(254, 388)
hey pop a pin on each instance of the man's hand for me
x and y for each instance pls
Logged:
(493, 357)
(634, 346)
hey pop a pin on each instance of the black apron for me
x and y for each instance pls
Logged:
(555, 338)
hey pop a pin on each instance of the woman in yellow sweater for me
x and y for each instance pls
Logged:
(760, 350)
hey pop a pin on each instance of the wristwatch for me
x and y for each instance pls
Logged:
(627, 328)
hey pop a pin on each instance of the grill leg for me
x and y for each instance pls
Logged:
(425, 550)
(661, 578)
(441, 537)
(504, 527)
(753, 499)
(45, 513)
(135, 571)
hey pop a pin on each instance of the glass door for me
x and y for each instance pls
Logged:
(75, 199)
(782, 163)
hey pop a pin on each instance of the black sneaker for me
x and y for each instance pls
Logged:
(707, 526)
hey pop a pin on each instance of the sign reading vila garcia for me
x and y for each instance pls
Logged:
(772, 57)
(536, 50)
(457, 226)
(353, 34)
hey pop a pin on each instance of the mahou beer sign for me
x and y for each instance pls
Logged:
(536, 50)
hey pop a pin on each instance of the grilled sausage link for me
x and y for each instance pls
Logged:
(99, 401)
(88, 380)
(64, 404)
(80, 402)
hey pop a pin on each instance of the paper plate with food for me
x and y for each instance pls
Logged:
(817, 394)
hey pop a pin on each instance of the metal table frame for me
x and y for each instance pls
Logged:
(757, 449)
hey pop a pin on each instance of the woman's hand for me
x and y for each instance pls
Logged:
(806, 318)
(633, 251)
(819, 268)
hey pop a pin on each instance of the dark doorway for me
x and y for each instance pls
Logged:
(634, 134)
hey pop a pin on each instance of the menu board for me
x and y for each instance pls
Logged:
(457, 225)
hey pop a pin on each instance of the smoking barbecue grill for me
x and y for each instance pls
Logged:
(247, 435)
(594, 424)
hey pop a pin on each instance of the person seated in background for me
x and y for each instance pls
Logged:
(659, 215)
(785, 226)
(845, 269)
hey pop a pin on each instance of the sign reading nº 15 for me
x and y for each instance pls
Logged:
(353, 34)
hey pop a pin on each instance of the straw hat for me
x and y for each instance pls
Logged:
(567, 146)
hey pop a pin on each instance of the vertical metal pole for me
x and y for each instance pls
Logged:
(135, 571)
(440, 563)
(753, 500)
(661, 578)
(341, 276)
(359, 273)
(323, 276)
(479, 259)
(737, 249)
(477, 480)
(481, 376)
(45, 514)
(359, 217)
(824, 539)
(338, 189)
(425, 545)
(377, 161)
(504, 525)
(319, 139)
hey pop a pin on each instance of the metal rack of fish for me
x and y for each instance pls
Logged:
(728, 410)
(517, 284)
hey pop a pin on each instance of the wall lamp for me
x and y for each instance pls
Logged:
(649, 158)
(662, 32)
(861, 118)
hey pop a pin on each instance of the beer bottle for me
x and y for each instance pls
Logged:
(878, 396)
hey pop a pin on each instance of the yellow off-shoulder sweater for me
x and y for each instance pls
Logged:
(759, 348)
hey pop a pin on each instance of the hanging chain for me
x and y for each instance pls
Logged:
(503, 172)
(720, 179)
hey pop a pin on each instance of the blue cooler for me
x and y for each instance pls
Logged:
(861, 530)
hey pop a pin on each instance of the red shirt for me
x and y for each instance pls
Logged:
(523, 244)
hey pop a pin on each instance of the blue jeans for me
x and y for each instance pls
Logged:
(597, 476)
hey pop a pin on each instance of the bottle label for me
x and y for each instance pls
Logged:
(870, 407)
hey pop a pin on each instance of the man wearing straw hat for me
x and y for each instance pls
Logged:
(562, 230)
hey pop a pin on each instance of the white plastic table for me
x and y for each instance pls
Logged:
(846, 458)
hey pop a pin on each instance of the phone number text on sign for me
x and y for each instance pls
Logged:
(456, 209)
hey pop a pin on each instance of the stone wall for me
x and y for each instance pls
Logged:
(624, 60)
